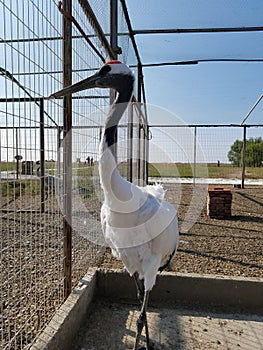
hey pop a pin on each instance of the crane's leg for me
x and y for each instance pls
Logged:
(139, 286)
(141, 322)
(140, 294)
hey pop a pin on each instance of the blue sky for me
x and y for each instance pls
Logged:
(207, 93)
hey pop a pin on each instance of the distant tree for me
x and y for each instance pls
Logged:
(235, 153)
(254, 152)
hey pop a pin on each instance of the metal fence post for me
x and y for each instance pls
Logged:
(243, 157)
(114, 27)
(17, 158)
(67, 150)
(59, 141)
(195, 132)
(130, 143)
(138, 160)
(42, 155)
(114, 46)
(147, 140)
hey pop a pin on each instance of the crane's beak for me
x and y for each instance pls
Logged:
(84, 84)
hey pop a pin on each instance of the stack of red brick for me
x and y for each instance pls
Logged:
(219, 201)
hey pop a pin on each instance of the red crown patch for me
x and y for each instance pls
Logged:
(113, 62)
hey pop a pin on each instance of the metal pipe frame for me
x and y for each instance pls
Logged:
(67, 151)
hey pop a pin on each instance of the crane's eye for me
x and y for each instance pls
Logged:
(104, 70)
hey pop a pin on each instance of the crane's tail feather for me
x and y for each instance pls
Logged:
(156, 190)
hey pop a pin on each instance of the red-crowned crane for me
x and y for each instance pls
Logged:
(139, 226)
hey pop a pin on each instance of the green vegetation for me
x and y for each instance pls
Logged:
(83, 175)
(254, 152)
(202, 170)
(177, 170)
(16, 188)
(8, 166)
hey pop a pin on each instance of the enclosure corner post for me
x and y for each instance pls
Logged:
(67, 150)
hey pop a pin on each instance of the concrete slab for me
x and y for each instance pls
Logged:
(222, 292)
(185, 312)
(112, 326)
(66, 322)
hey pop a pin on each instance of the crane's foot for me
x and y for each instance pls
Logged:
(149, 347)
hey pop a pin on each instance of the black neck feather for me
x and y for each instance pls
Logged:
(124, 87)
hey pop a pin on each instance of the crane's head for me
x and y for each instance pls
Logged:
(113, 74)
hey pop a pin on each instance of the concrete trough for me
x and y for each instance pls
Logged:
(172, 291)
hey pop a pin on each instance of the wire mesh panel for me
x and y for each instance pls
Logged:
(208, 152)
(31, 245)
(33, 152)
(187, 159)
(216, 143)
(88, 112)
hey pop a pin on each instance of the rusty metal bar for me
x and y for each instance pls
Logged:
(67, 150)
(96, 26)
(114, 46)
(73, 20)
(114, 28)
(126, 15)
(59, 143)
(42, 155)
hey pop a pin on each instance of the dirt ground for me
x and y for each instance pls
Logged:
(230, 246)
(32, 251)
(112, 326)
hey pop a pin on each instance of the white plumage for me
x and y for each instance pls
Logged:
(138, 224)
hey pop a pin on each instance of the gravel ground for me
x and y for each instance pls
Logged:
(214, 246)
(32, 252)
(31, 269)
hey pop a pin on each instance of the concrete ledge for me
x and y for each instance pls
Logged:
(237, 293)
(60, 332)
(172, 289)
